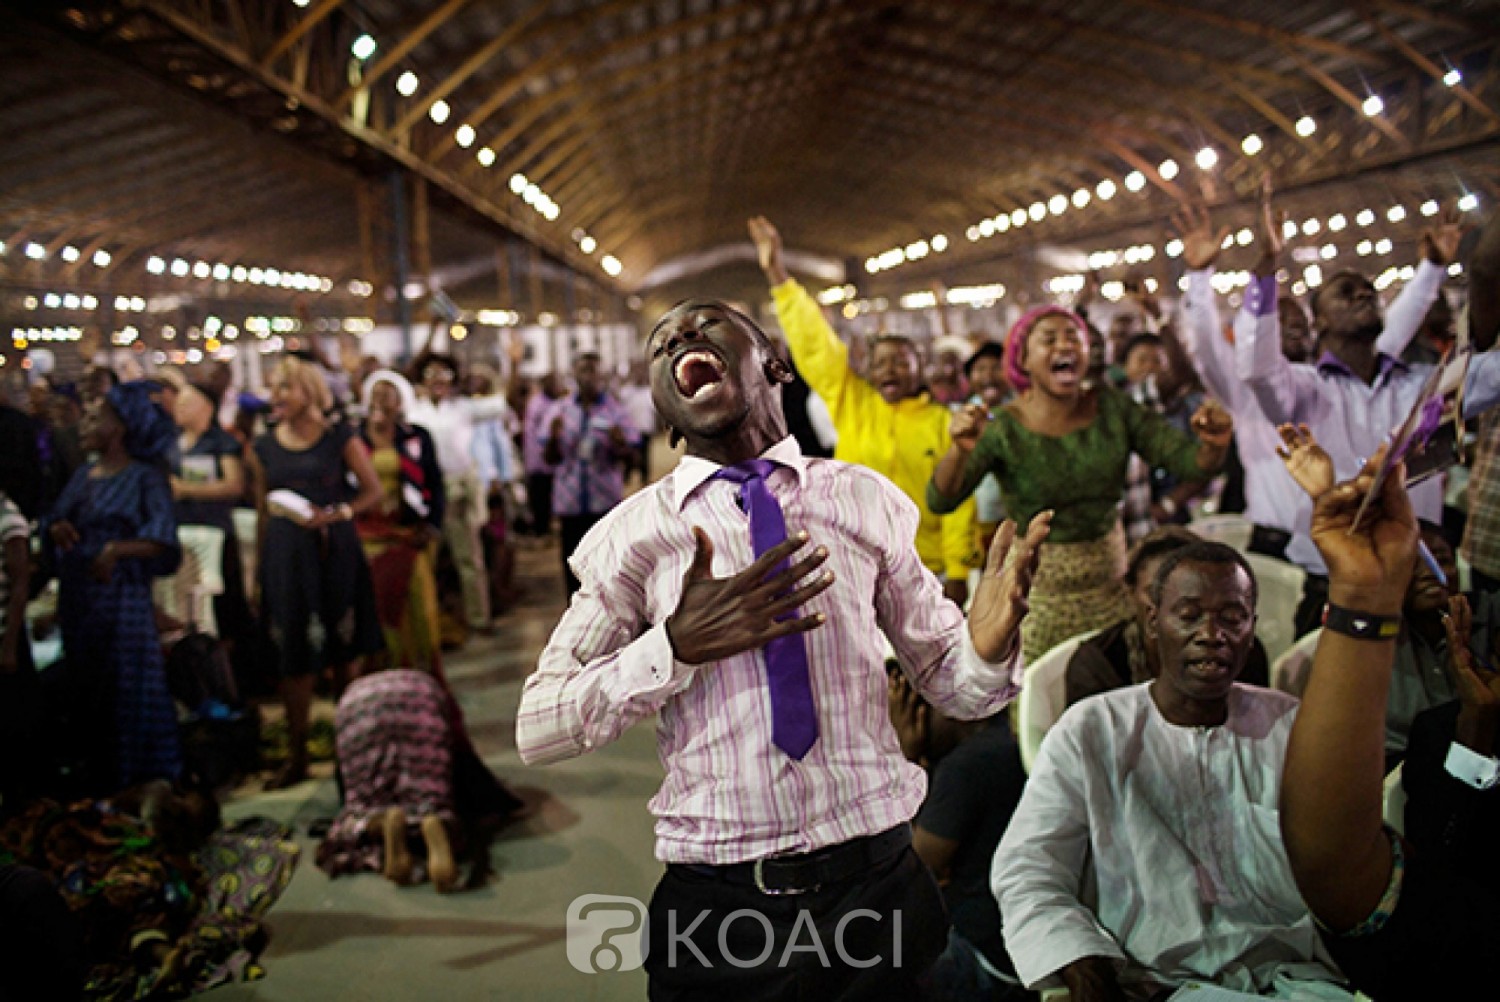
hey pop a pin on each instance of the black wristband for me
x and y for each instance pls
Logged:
(1361, 625)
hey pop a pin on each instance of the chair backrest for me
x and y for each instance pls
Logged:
(1289, 673)
(188, 595)
(1043, 696)
(1231, 530)
(1280, 586)
(1395, 800)
(246, 525)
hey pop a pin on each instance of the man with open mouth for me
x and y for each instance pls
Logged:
(743, 599)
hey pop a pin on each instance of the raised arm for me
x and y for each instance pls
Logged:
(1163, 446)
(1331, 817)
(1285, 393)
(820, 356)
(1403, 318)
(969, 457)
(1212, 353)
(966, 670)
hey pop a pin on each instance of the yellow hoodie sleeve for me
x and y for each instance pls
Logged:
(960, 534)
(960, 554)
(817, 352)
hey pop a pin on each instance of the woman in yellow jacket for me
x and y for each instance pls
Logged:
(886, 421)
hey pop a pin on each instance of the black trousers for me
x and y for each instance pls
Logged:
(869, 937)
(573, 528)
(539, 497)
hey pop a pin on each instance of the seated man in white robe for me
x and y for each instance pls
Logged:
(1146, 852)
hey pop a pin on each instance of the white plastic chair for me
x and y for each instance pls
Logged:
(1395, 800)
(1231, 530)
(1043, 696)
(1289, 673)
(1280, 585)
(189, 594)
(245, 525)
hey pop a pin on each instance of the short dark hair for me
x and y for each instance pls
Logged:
(990, 349)
(1140, 339)
(420, 364)
(1203, 552)
(1158, 543)
(896, 339)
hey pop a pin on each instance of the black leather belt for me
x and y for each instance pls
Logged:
(806, 872)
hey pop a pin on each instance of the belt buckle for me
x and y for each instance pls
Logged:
(760, 883)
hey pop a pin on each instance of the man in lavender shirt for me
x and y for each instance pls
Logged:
(1354, 336)
(784, 817)
(534, 434)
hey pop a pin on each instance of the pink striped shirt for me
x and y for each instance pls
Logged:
(730, 795)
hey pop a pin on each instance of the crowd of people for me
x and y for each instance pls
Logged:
(385, 507)
(1183, 822)
(863, 555)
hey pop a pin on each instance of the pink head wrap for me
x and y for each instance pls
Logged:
(1015, 341)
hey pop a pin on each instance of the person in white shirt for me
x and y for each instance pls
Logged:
(450, 418)
(1146, 852)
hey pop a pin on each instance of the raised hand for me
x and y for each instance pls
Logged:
(1000, 601)
(1369, 565)
(1478, 685)
(1306, 460)
(967, 425)
(1200, 242)
(767, 241)
(717, 618)
(1272, 236)
(1439, 243)
(1213, 425)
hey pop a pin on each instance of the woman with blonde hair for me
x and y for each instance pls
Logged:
(312, 480)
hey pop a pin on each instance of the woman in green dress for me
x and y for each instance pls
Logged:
(1062, 445)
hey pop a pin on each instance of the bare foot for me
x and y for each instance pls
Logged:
(397, 856)
(440, 862)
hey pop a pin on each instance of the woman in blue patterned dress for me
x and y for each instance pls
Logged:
(111, 532)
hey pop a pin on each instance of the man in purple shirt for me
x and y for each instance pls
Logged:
(784, 817)
(539, 472)
(589, 441)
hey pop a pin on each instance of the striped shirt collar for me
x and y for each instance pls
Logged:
(694, 471)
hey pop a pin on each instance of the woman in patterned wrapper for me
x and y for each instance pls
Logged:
(110, 534)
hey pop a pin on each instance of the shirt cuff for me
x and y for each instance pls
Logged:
(648, 668)
(1482, 772)
(1260, 296)
(992, 675)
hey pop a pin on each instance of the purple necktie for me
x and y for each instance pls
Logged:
(794, 719)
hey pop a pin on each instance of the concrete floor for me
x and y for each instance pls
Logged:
(360, 937)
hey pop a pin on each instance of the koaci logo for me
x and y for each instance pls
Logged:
(606, 933)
